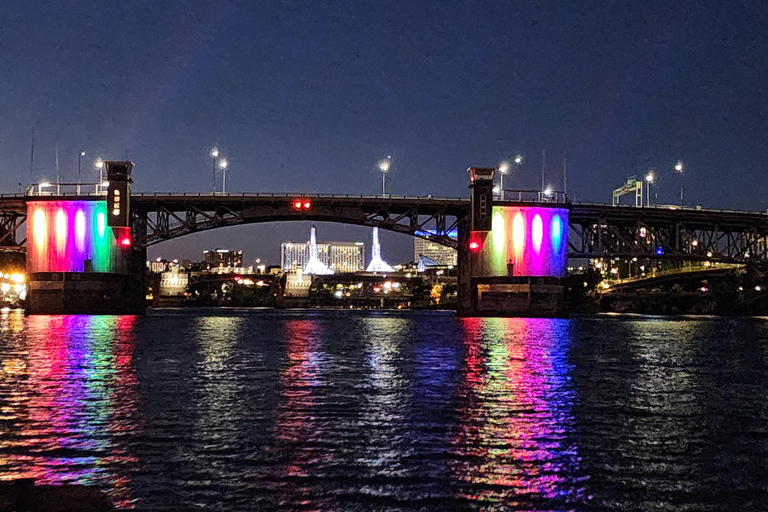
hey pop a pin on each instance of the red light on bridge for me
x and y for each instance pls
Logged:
(125, 241)
(476, 240)
(298, 204)
(307, 204)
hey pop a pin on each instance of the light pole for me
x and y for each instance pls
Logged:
(384, 166)
(679, 169)
(215, 156)
(99, 164)
(648, 180)
(518, 162)
(503, 169)
(80, 156)
(223, 166)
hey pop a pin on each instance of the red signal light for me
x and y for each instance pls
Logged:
(125, 241)
(297, 205)
(307, 204)
(476, 240)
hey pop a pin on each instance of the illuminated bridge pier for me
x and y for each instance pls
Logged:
(80, 253)
(517, 253)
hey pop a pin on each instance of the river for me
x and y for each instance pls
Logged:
(391, 411)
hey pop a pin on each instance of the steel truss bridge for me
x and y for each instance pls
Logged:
(596, 230)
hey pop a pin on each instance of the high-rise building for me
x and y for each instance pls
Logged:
(337, 256)
(441, 254)
(222, 258)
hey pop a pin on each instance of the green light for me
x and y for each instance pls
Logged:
(499, 239)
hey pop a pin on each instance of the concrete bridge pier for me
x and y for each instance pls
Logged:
(512, 256)
(81, 255)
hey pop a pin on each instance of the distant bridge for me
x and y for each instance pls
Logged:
(596, 230)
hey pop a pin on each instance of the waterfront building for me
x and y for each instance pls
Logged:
(336, 256)
(222, 258)
(440, 254)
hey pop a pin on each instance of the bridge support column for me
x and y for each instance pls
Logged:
(77, 264)
(520, 266)
(466, 296)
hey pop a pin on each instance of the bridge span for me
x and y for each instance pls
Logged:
(595, 230)
(87, 251)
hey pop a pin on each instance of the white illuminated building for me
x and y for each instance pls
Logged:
(314, 265)
(377, 264)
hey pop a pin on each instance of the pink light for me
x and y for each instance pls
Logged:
(537, 233)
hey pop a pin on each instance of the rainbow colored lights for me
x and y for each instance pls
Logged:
(525, 241)
(64, 235)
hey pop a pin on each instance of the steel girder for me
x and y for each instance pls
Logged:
(13, 217)
(158, 217)
(699, 235)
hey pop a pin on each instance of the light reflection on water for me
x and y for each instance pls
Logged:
(515, 415)
(69, 394)
(388, 411)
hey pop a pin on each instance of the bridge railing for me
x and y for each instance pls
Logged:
(532, 196)
(46, 189)
(296, 196)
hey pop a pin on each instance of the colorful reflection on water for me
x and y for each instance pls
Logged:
(69, 392)
(514, 435)
(407, 411)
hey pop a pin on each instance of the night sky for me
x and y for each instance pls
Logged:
(307, 96)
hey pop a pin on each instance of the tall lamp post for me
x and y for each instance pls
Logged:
(503, 169)
(384, 166)
(648, 180)
(679, 169)
(215, 156)
(223, 166)
(518, 162)
(80, 156)
(99, 165)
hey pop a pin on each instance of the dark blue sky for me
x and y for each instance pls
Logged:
(308, 97)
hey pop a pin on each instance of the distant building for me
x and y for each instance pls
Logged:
(161, 265)
(440, 254)
(337, 256)
(222, 258)
(377, 264)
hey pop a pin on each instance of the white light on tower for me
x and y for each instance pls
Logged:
(384, 166)
(223, 166)
(679, 170)
(503, 169)
(648, 180)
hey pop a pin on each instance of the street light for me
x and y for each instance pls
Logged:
(223, 166)
(215, 156)
(503, 169)
(384, 166)
(648, 180)
(99, 164)
(679, 169)
(80, 156)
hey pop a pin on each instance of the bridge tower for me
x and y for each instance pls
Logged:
(513, 255)
(81, 258)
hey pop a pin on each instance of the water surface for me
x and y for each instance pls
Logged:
(336, 410)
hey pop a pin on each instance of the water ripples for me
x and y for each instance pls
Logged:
(375, 411)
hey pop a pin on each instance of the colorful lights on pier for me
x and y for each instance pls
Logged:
(73, 236)
(525, 241)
